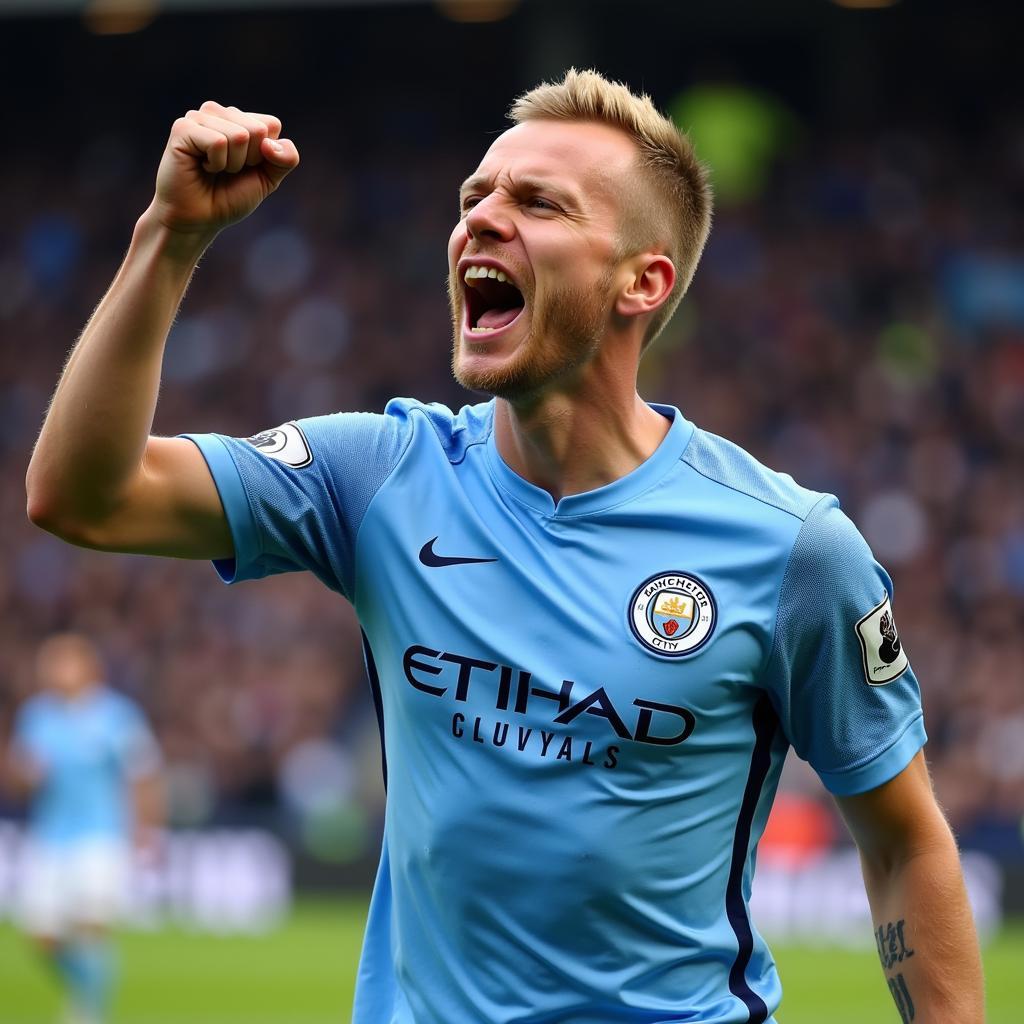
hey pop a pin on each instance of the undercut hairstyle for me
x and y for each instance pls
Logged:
(672, 207)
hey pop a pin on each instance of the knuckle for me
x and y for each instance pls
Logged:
(209, 105)
(270, 123)
(239, 138)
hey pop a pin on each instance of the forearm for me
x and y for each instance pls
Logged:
(19, 777)
(926, 937)
(148, 801)
(94, 436)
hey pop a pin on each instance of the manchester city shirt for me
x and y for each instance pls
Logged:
(584, 705)
(89, 750)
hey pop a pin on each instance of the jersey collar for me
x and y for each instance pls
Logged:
(627, 487)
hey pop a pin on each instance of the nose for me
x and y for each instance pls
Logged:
(489, 219)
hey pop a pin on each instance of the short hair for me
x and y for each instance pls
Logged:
(679, 187)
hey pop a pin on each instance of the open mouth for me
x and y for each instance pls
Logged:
(492, 300)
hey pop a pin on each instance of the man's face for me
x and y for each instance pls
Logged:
(544, 210)
(69, 665)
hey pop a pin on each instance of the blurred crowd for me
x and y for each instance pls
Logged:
(859, 324)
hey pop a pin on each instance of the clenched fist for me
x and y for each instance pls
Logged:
(219, 165)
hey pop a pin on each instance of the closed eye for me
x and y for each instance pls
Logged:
(533, 203)
(540, 203)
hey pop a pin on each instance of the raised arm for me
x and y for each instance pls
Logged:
(97, 478)
(923, 926)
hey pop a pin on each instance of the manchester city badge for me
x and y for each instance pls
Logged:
(672, 614)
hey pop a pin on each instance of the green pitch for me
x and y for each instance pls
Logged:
(302, 974)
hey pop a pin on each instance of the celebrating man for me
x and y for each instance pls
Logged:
(592, 629)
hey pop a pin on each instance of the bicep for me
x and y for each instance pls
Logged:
(171, 507)
(899, 819)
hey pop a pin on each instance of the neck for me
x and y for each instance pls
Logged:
(75, 696)
(569, 442)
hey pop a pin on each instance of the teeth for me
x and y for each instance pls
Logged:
(481, 330)
(491, 272)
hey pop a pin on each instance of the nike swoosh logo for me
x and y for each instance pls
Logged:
(435, 561)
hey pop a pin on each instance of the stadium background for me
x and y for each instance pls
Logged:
(857, 321)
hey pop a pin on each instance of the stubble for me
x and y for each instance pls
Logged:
(566, 329)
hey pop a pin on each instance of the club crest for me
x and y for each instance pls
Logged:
(672, 614)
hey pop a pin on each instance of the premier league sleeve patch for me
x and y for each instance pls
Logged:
(286, 443)
(672, 614)
(884, 657)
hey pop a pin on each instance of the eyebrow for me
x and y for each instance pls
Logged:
(474, 181)
(523, 183)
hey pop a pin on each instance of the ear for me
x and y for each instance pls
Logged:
(652, 277)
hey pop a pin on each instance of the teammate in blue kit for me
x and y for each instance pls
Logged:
(592, 629)
(85, 756)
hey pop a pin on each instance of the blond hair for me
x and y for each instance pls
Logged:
(678, 192)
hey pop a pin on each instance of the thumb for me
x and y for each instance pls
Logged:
(280, 158)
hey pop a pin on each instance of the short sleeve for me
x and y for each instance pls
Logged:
(295, 496)
(840, 679)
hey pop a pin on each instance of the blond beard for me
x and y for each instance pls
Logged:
(562, 337)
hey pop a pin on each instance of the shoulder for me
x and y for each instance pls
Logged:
(822, 550)
(730, 466)
(33, 711)
(401, 420)
(116, 706)
(456, 432)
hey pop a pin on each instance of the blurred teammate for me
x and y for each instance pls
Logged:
(592, 629)
(88, 761)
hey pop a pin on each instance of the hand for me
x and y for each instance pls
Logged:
(219, 165)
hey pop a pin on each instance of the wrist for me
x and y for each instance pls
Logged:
(178, 246)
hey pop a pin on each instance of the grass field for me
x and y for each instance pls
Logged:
(303, 974)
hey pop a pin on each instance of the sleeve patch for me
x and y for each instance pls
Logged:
(286, 443)
(883, 655)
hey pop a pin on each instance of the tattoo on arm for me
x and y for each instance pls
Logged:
(892, 946)
(893, 950)
(900, 992)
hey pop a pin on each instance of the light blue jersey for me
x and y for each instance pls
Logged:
(88, 750)
(584, 706)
